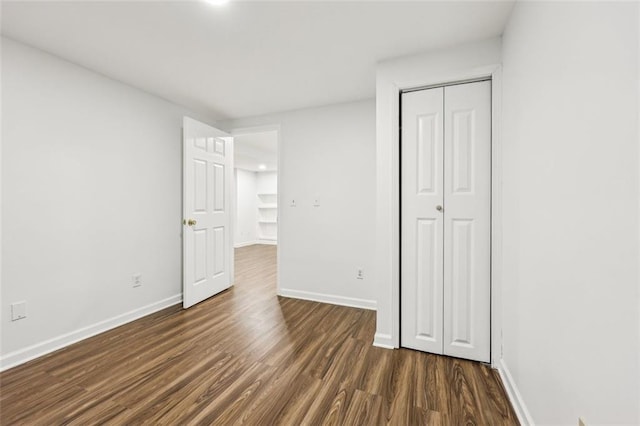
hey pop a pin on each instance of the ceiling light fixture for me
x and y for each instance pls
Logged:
(262, 167)
(217, 2)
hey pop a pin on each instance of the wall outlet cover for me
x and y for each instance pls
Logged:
(18, 311)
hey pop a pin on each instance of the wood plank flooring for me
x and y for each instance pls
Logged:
(248, 356)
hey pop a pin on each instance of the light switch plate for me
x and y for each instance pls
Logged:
(136, 280)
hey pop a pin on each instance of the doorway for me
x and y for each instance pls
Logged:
(256, 186)
(445, 281)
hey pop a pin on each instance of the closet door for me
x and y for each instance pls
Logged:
(446, 220)
(467, 220)
(422, 220)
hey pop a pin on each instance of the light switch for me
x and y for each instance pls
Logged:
(293, 202)
(316, 201)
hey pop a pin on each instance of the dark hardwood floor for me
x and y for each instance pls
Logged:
(248, 356)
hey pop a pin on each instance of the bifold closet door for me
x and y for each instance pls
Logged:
(422, 221)
(467, 220)
(446, 220)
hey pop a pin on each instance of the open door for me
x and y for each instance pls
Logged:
(207, 238)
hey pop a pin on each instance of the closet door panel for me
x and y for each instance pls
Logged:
(467, 220)
(421, 221)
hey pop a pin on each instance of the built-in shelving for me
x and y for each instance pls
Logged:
(268, 217)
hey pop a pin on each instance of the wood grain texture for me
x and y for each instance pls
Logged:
(247, 356)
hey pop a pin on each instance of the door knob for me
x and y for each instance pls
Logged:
(439, 208)
(189, 222)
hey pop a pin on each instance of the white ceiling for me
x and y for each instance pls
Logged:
(248, 58)
(253, 149)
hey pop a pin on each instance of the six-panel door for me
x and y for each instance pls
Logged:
(446, 220)
(207, 251)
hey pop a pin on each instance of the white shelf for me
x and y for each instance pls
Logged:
(268, 216)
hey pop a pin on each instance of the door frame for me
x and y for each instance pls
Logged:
(279, 200)
(400, 123)
(388, 199)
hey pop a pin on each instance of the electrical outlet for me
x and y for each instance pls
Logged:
(18, 311)
(581, 422)
(360, 274)
(136, 280)
(316, 201)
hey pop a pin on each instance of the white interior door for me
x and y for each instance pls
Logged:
(446, 219)
(207, 187)
(422, 222)
(467, 220)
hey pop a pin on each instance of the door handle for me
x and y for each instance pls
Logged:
(189, 222)
(439, 208)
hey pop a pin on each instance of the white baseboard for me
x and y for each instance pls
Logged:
(246, 243)
(21, 356)
(268, 242)
(383, 341)
(329, 298)
(514, 395)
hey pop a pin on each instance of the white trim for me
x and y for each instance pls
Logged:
(21, 356)
(328, 298)
(515, 398)
(255, 129)
(268, 242)
(383, 341)
(638, 137)
(247, 243)
(496, 215)
(279, 202)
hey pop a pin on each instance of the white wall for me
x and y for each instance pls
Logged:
(439, 66)
(267, 182)
(571, 210)
(329, 152)
(91, 194)
(246, 208)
